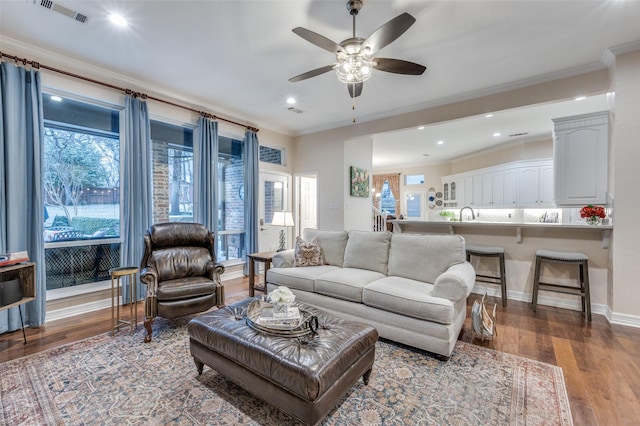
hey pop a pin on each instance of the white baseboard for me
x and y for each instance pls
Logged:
(77, 309)
(596, 308)
(106, 303)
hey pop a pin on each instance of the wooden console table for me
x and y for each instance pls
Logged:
(26, 273)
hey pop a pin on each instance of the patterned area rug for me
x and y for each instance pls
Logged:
(120, 380)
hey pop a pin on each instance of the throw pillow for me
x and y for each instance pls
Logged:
(307, 253)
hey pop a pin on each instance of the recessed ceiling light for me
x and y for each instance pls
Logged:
(421, 128)
(118, 20)
(580, 98)
(489, 115)
(56, 98)
(496, 134)
(440, 142)
(291, 101)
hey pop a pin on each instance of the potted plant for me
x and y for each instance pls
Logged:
(447, 215)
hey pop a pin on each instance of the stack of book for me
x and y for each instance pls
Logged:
(13, 258)
(291, 317)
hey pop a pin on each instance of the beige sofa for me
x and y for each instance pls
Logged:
(411, 288)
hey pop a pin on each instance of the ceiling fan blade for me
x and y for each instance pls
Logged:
(388, 32)
(318, 40)
(355, 89)
(398, 66)
(312, 73)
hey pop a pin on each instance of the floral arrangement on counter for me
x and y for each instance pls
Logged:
(593, 214)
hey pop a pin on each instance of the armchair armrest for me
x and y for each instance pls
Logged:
(283, 259)
(214, 270)
(455, 283)
(149, 276)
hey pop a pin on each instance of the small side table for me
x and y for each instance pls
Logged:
(116, 274)
(265, 257)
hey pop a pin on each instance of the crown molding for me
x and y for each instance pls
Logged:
(609, 55)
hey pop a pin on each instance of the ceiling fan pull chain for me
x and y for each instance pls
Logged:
(353, 104)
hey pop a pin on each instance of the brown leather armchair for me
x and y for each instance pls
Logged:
(180, 270)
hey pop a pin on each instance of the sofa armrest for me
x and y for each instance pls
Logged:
(283, 259)
(455, 283)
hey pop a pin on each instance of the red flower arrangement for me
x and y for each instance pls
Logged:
(593, 213)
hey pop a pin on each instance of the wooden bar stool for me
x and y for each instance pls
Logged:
(486, 251)
(568, 258)
(116, 274)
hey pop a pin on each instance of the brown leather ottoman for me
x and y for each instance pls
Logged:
(305, 377)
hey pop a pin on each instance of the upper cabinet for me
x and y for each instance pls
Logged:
(581, 146)
(451, 190)
(511, 185)
(536, 186)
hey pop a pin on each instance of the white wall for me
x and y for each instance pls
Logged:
(326, 158)
(357, 210)
(626, 152)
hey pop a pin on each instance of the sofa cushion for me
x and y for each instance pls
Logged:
(332, 244)
(408, 297)
(307, 253)
(298, 278)
(424, 257)
(345, 283)
(367, 250)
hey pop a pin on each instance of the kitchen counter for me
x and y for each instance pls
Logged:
(450, 227)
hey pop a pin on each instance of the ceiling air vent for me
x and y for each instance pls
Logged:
(296, 110)
(51, 5)
(514, 135)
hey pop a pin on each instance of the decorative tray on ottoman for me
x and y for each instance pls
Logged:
(295, 323)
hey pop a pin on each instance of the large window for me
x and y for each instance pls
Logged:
(387, 200)
(81, 179)
(173, 185)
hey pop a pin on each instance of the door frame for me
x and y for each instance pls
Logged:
(296, 195)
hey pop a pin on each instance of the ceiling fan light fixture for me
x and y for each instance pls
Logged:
(354, 68)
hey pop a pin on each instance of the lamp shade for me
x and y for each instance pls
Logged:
(282, 218)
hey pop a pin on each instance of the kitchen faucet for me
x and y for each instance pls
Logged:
(473, 215)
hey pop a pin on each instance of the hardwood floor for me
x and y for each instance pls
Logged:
(600, 361)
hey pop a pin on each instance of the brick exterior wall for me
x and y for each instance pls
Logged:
(160, 169)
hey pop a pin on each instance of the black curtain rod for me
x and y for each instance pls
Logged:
(130, 92)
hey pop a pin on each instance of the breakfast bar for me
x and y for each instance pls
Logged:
(520, 241)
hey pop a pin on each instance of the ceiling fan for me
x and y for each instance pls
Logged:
(354, 56)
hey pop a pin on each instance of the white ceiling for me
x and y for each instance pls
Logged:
(235, 57)
(419, 145)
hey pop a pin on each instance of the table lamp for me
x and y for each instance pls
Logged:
(284, 219)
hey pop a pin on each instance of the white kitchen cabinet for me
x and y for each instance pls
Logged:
(492, 189)
(472, 191)
(580, 150)
(451, 190)
(520, 184)
(510, 188)
(499, 188)
(535, 186)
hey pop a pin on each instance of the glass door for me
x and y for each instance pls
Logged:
(414, 204)
(274, 197)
